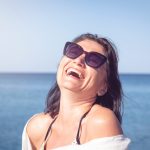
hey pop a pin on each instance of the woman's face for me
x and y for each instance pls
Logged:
(77, 76)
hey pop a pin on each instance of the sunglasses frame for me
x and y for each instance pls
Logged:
(102, 57)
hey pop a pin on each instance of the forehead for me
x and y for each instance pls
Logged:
(90, 45)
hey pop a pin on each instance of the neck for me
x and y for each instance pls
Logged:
(74, 105)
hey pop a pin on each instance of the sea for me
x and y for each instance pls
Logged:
(23, 95)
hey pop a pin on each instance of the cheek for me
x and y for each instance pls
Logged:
(61, 68)
(101, 79)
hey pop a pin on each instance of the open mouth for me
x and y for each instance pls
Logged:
(74, 73)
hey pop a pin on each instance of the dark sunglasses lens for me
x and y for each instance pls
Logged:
(72, 50)
(95, 60)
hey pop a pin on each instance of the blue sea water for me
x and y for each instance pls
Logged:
(22, 95)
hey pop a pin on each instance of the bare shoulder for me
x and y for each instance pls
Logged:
(102, 122)
(37, 128)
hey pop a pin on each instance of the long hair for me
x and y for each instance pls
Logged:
(112, 99)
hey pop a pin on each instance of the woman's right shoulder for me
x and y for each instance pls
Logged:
(37, 126)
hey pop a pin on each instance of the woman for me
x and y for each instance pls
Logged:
(84, 107)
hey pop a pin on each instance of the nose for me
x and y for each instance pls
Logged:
(80, 61)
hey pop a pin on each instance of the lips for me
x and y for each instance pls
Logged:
(75, 73)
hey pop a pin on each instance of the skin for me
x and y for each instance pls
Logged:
(77, 97)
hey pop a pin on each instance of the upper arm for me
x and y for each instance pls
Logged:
(37, 128)
(103, 124)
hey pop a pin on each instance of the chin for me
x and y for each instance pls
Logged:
(70, 86)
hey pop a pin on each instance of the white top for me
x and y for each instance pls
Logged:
(119, 142)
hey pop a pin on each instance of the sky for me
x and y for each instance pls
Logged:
(33, 32)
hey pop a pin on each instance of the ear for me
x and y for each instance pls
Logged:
(102, 91)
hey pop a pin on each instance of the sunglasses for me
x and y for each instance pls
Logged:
(92, 59)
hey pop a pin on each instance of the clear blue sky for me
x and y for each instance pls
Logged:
(33, 32)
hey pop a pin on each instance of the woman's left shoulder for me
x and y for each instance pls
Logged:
(102, 122)
(100, 113)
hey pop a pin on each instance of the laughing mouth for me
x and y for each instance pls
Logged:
(74, 73)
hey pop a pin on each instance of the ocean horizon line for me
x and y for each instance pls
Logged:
(32, 73)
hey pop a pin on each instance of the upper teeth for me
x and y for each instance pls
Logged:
(74, 70)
